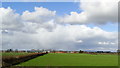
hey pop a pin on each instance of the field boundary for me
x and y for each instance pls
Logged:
(13, 60)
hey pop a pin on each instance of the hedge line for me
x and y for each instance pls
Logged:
(8, 61)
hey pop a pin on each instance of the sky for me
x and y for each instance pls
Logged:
(59, 25)
(57, 6)
(62, 8)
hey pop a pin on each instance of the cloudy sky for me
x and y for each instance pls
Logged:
(60, 25)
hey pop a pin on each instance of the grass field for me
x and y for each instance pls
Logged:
(60, 59)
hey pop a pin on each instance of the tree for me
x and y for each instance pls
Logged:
(9, 50)
(81, 51)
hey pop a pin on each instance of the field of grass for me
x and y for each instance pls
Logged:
(57, 59)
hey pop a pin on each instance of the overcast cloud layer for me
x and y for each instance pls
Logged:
(42, 29)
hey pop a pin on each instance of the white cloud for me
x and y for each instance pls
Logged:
(40, 18)
(94, 11)
(9, 19)
(40, 15)
(28, 21)
(38, 30)
(107, 43)
(79, 41)
(71, 37)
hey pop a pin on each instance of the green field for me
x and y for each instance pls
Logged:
(57, 59)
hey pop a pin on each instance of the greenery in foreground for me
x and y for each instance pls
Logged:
(60, 59)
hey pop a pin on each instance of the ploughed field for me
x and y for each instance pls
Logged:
(64, 59)
(13, 54)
